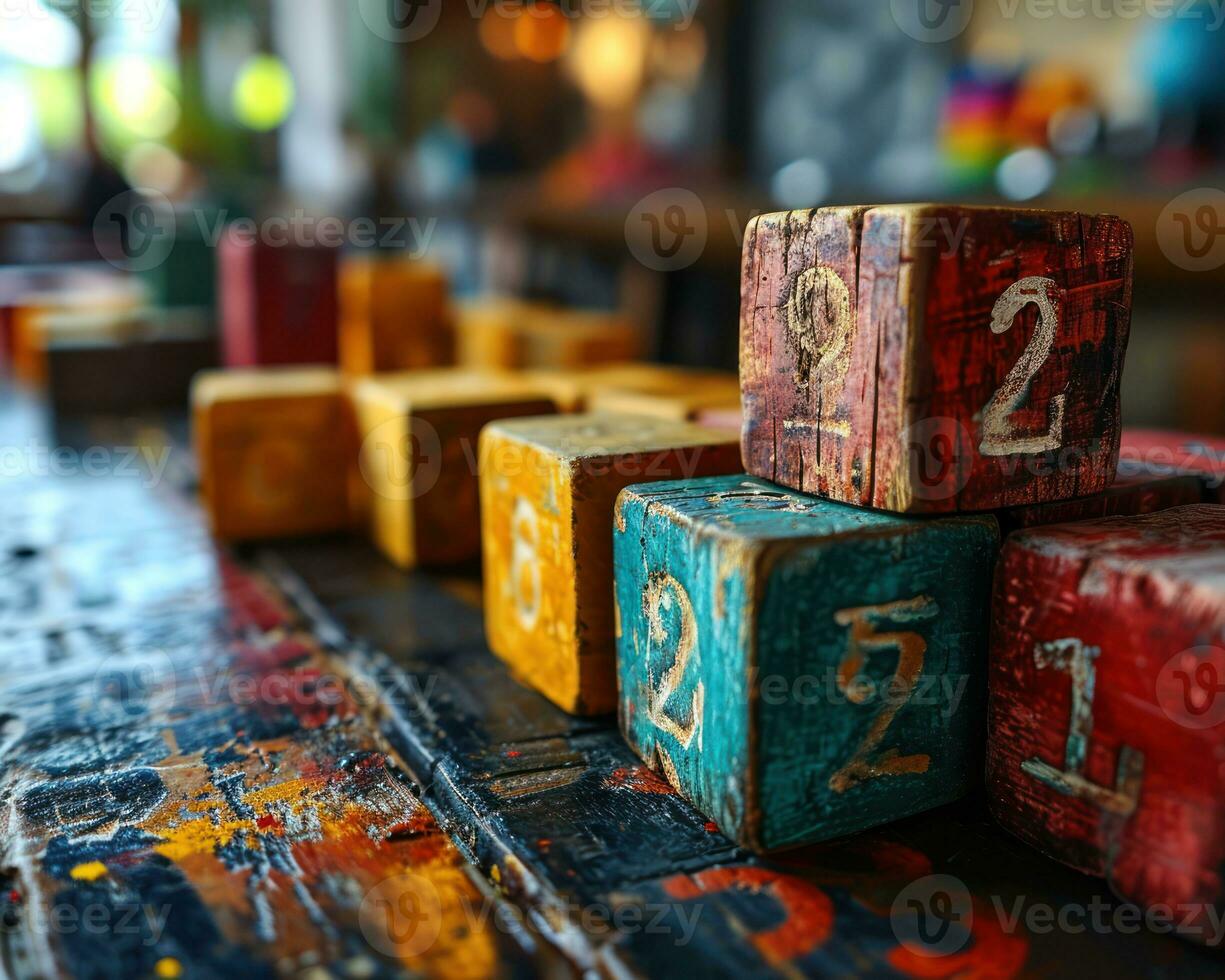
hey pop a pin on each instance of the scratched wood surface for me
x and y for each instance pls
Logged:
(930, 359)
(800, 669)
(1107, 659)
(604, 866)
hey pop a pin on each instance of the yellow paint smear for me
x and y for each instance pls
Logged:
(90, 871)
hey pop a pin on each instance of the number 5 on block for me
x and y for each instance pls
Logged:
(934, 359)
(797, 668)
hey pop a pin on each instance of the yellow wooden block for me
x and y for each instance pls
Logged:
(547, 492)
(510, 333)
(274, 448)
(394, 316)
(418, 457)
(668, 393)
(38, 316)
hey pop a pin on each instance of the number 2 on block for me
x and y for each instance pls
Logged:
(660, 592)
(911, 648)
(998, 436)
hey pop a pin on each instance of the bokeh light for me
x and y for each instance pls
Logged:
(263, 92)
(608, 59)
(542, 32)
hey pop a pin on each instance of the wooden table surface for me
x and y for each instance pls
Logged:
(298, 761)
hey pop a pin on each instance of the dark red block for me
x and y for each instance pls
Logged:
(1162, 452)
(278, 302)
(1106, 741)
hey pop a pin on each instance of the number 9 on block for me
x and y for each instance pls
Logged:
(797, 668)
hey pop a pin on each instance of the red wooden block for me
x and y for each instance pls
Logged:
(1157, 451)
(927, 358)
(1106, 744)
(278, 302)
(1140, 489)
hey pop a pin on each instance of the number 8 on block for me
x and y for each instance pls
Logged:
(797, 668)
(934, 359)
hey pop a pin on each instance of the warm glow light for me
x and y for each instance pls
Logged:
(497, 33)
(541, 32)
(134, 93)
(608, 59)
(263, 92)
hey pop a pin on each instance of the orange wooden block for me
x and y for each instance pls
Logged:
(274, 448)
(418, 457)
(393, 316)
(669, 393)
(510, 333)
(547, 492)
(38, 315)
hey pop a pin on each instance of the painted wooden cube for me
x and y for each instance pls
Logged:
(394, 316)
(547, 492)
(932, 359)
(1137, 489)
(797, 668)
(418, 457)
(1175, 453)
(1106, 745)
(277, 302)
(513, 333)
(672, 393)
(274, 449)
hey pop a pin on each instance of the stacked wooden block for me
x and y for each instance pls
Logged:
(808, 627)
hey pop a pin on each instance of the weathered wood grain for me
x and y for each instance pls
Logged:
(1108, 646)
(797, 668)
(547, 493)
(277, 303)
(418, 457)
(394, 316)
(927, 358)
(274, 448)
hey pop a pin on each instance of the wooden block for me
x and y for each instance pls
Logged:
(547, 493)
(418, 457)
(1168, 453)
(510, 333)
(932, 359)
(278, 303)
(799, 669)
(275, 450)
(393, 316)
(1105, 737)
(104, 311)
(670, 393)
(1136, 490)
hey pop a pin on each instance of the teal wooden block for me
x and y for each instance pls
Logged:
(800, 669)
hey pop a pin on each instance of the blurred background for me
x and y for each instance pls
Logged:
(604, 153)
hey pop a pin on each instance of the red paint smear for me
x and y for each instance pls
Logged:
(808, 919)
(712, 827)
(512, 754)
(544, 843)
(995, 955)
(15, 897)
(640, 779)
(267, 820)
